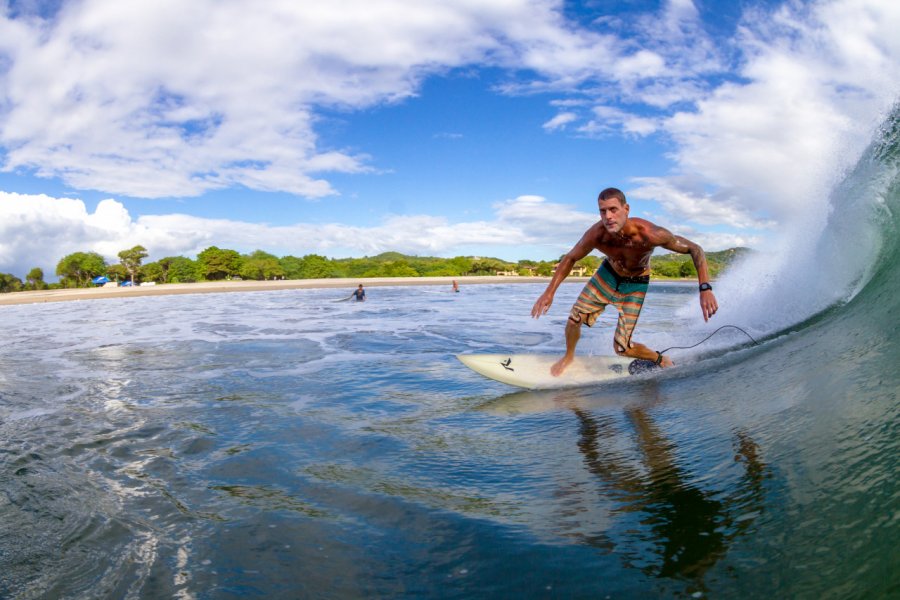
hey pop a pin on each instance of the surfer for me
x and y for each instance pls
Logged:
(359, 293)
(455, 286)
(622, 278)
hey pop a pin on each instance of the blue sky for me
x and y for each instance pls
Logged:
(437, 128)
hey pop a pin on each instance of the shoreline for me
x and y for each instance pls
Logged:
(219, 287)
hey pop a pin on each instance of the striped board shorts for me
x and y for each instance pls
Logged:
(608, 287)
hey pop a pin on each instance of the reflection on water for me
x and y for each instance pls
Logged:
(682, 530)
(668, 511)
(286, 446)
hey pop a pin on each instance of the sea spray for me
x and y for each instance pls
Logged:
(811, 268)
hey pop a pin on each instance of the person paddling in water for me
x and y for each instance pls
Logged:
(622, 278)
(359, 293)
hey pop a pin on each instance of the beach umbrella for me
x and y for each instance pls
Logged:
(100, 280)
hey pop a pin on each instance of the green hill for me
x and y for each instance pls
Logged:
(221, 263)
(680, 265)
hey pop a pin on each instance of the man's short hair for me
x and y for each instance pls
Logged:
(610, 193)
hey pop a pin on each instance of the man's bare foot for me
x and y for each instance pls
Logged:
(666, 362)
(559, 366)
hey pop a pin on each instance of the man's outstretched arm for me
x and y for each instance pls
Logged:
(581, 249)
(676, 243)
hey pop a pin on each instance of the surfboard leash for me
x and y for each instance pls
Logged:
(755, 343)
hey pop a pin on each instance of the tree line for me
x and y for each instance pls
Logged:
(79, 269)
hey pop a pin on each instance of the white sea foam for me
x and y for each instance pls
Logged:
(825, 257)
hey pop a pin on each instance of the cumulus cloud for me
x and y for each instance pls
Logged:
(768, 121)
(162, 98)
(103, 96)
(40, 230)
(413, 234)
(539, 218)
(815, 82)
(678, 199)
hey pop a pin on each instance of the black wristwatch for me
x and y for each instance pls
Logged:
(705, 287)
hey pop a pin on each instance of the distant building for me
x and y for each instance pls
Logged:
(508, 273)
(577, 271)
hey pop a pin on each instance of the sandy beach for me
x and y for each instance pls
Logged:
(218, 287)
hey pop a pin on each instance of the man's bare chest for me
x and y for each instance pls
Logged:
(629, 256)
(632, 246)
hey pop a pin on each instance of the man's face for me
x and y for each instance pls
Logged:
(613, 214)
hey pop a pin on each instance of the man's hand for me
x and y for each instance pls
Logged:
(708, 304)
(542, 305)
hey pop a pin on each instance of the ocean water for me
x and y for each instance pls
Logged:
(283, 445)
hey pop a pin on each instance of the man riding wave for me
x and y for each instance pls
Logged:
(622, 278)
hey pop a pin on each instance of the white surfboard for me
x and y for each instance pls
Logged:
(532, 371)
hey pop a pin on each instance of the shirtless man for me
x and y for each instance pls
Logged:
(622, 279)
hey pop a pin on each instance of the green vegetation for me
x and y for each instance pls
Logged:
(35, 279)
(216, 264)
(10, 283)
(77, 269)
(131, 259)
(680, 265)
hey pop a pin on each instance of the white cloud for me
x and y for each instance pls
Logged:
(671, 67)
(545, 222)
(679, 200)
(560, 121)
(766, 144)
(40, 230)
(162, 98)
(712, 241)
(817, 81)
(171, 99)
(608, 121)
(775, 115)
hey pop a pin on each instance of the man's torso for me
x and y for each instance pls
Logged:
(628, 254)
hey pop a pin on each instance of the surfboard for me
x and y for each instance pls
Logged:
(532, 371)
